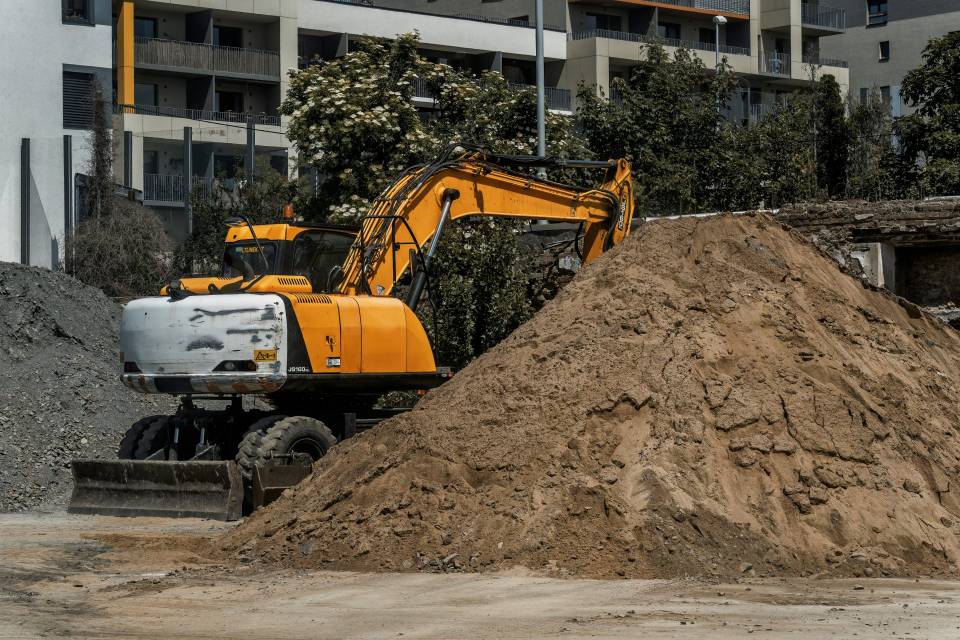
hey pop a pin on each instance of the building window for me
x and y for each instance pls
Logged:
(603, 21)
(884, 51)
(668, 30)
(77, 100)
(145, 27)
(876, 12)
(77, 11)
(708, 36)
(864, 94)
(145, 94)
(228, 37)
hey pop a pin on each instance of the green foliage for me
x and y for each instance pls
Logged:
(872, 159)
(354, 123)
(930, 137)
(123, 251)
(667, 127)
(832, 136)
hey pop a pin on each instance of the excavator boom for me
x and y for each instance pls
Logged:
(414, 210)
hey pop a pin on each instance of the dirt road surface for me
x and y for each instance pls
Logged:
(93, 577)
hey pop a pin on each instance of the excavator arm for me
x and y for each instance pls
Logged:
(407, 220)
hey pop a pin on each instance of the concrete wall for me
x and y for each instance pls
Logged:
(910, 26)
(34, 46)
(929, 276)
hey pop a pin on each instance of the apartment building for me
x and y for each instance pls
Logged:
(51, 56)
(773, 45)
(196, 84)
(885, 39)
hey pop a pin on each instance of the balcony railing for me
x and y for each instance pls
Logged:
(777, 64)
(207, 57)
(648, 39)
(513, 22)
(170, 189)
(817, 15)
(725, 6)
(556, 98)
(826, 62)
(197, 114)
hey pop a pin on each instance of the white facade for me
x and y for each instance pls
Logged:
(35, 46)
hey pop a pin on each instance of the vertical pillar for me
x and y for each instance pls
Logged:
(128, 159)
(67, 197)
(188, 176)
(25, 200)
(125, 53)
(251, 149)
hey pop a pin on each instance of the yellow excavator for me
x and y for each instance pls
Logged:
(286, 352)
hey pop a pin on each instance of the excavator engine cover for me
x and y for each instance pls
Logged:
(192, 489)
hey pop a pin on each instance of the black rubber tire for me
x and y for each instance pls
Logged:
(128, 445)
(153, 439)
(248, 452)
(296, 434)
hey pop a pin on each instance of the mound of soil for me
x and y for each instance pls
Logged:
(713, 397)
(60, 391)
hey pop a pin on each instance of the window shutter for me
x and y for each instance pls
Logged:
(77, 100)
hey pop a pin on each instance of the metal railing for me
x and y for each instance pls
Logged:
(726, 6)
(170, 189)
(777, 64)
(555, 97)
(197, 114)
(826, 62)
(513, 22)
(818, 15)
(207, 57)
(616, 97)
(648, 39)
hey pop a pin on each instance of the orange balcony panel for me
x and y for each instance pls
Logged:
(667, 4)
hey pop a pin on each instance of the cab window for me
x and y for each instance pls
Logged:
(319, 255)
(244, 256)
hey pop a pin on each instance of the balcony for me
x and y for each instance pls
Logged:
(198, 114)
(740, 7)
(776, 64)
(823, 18)
(194, 56)
(668, 42)
(524, 21)
(824, 62)
(169, 190)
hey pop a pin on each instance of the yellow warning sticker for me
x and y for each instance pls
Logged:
(265, 355)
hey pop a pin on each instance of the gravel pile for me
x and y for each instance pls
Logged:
(60, 393)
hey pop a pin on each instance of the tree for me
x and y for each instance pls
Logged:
(667, 127)
(872, 157)
(121, 247)
(930, 137)
(354, 124)
(832, 136)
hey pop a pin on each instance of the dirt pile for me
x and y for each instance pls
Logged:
(60, 393)
(713, 397)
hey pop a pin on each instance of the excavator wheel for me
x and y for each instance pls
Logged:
(278, 437)
(153, 439)
(128, 446)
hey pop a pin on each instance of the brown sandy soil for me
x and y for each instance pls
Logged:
(70, 576)
(712, 398)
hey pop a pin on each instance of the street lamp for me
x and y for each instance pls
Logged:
(717, 21)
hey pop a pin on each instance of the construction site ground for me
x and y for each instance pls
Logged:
(96, 577)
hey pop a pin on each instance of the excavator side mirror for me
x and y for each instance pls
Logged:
(234, 221)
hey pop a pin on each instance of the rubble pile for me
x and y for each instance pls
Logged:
(60, 393)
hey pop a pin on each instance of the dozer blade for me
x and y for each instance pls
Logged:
(193, 489)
